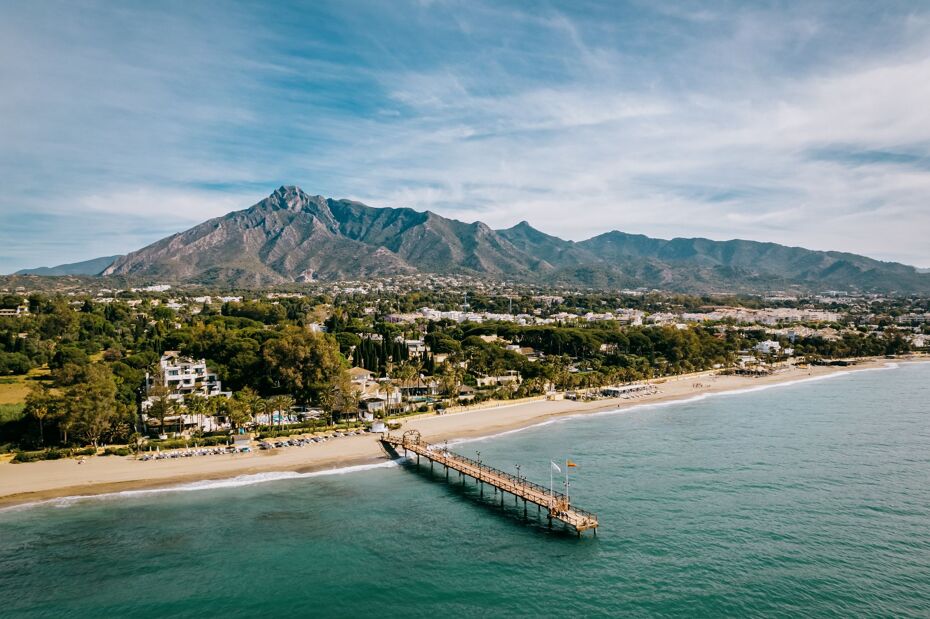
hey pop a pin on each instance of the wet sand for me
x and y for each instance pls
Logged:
(38, 481)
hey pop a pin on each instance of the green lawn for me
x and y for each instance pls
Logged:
(13, 389)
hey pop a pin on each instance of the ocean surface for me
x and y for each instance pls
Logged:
(808, 499)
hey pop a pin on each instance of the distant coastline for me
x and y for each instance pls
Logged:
(41, 482)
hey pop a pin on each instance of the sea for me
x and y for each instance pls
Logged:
(806, 499)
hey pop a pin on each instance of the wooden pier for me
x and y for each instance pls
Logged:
(557, 505)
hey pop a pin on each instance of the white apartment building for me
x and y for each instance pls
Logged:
(185, 376)
(14, 312)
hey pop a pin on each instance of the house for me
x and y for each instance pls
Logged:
(13, 312)
(418, 387)
(466, 393)
(510, 378)
(379, 395)
(624, 391)
(373, 404)
(526, 351)
(416, 348)
(361, 376)
(768, 347)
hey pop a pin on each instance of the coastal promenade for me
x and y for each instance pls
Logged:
(558, 505)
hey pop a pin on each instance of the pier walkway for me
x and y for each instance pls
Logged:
(557, 505)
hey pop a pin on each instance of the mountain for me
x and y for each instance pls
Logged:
(292, 236)
(703, 264)
(88, 267)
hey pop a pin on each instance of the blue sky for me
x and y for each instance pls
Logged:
(803, 123)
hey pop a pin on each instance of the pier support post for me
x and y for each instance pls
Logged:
(447, 473)
(481, 483)
(524, 509)
(418, 459)
(502, 498)
(550, 522)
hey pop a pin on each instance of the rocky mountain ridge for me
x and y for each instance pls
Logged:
(293, 236)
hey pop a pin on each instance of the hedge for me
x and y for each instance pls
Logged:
(51, 454)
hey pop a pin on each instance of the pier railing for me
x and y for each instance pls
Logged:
(557, 504)
(517, 481)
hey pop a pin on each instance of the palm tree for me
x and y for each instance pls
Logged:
(253, 403)
(197, 405)
(280, 404)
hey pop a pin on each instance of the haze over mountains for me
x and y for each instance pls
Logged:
(94, 266)
(292, 236)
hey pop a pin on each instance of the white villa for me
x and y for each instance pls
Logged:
(512, 377)
(14, 312)
(768, 347)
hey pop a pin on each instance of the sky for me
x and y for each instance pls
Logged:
(802, 123)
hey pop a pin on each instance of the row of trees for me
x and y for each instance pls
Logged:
(98, 354)
(244, 408)
(86, 409)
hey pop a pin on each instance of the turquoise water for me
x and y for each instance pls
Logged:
(807, 499)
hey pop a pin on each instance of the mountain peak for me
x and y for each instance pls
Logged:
(290, 195)
(293, 198)
(291, 233)
(288, 189)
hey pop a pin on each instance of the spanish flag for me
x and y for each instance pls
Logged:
(570, 464)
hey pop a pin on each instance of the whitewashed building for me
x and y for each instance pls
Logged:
(768, 347)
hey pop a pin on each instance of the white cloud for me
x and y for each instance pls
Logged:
(672, 123)
(192, 206)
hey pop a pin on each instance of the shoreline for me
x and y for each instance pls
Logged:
(23, 485)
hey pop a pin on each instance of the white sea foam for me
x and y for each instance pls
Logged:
(208, 484)
(648, 405)
(259, 478)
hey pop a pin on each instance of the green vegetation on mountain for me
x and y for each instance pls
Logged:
(291, 236)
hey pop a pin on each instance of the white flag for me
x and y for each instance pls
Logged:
(555, 466)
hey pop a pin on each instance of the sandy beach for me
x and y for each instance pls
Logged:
(30, 482)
